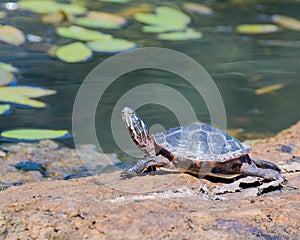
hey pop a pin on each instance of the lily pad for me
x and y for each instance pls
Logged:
(72, 9)
(2, 15)
(55, 17)
(163, 16)
(179, 36)
(151, 19)
(112, 46)
(34, 134)
(131, 11)
(47, 6)
(101, 20)
(174, 14)
(8, 67)
(21, 95)
(115, 1)
(11, 35)
(82, 34)
(5, 77)
(74, 52)
(287, 22)
(163, 28)
(5, 109)
(197, 8)
(42, 7)
(257, 28)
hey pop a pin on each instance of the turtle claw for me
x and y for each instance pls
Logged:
(268, 174)
(282, 179)
(127, 173)
(278, 176)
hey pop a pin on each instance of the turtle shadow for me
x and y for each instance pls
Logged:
(212, 179)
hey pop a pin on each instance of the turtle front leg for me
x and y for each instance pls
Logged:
(143, 164)
(266, 164)
(269, 174)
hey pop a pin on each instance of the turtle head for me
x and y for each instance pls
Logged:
(138, 131)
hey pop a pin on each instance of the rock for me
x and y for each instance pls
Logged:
(56, 162)
(161, 204)
(294, 167)
(2, 154)
(89, 208)
(2, 223)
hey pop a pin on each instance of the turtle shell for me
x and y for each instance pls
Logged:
(199, 142)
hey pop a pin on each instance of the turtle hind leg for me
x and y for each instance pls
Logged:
(269, 174)
(144, 164)
(266, 164)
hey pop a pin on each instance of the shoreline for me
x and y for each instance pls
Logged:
(161, 205)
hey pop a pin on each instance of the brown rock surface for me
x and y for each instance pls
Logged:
(161, 206)
(54, 162)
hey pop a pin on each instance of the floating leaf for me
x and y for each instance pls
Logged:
(47, 6)
(197, 8)
(268, 89)
(11, 35)
(8, 67)
(101, 20)
(112, 46)
(22, 95)
(163, 28)
(34, 134)
(131, 11)
(55, 18)
(5, 77)
(74, 52)
(5, 109)
(2, 15)
(115, 1)
(72, 9)
(165, 19)
(257, 28)
(82, 34)
(52, 51)
(178, 36)
(287, 22)
(173, 14)
(164, 16)
(151, 19)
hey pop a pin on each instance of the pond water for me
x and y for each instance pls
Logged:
(239, 64)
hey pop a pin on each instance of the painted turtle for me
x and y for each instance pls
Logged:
(199, 149)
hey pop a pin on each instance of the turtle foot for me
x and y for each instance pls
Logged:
(274, 175)
(282, 179)
(127, 173)
(268, 174)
